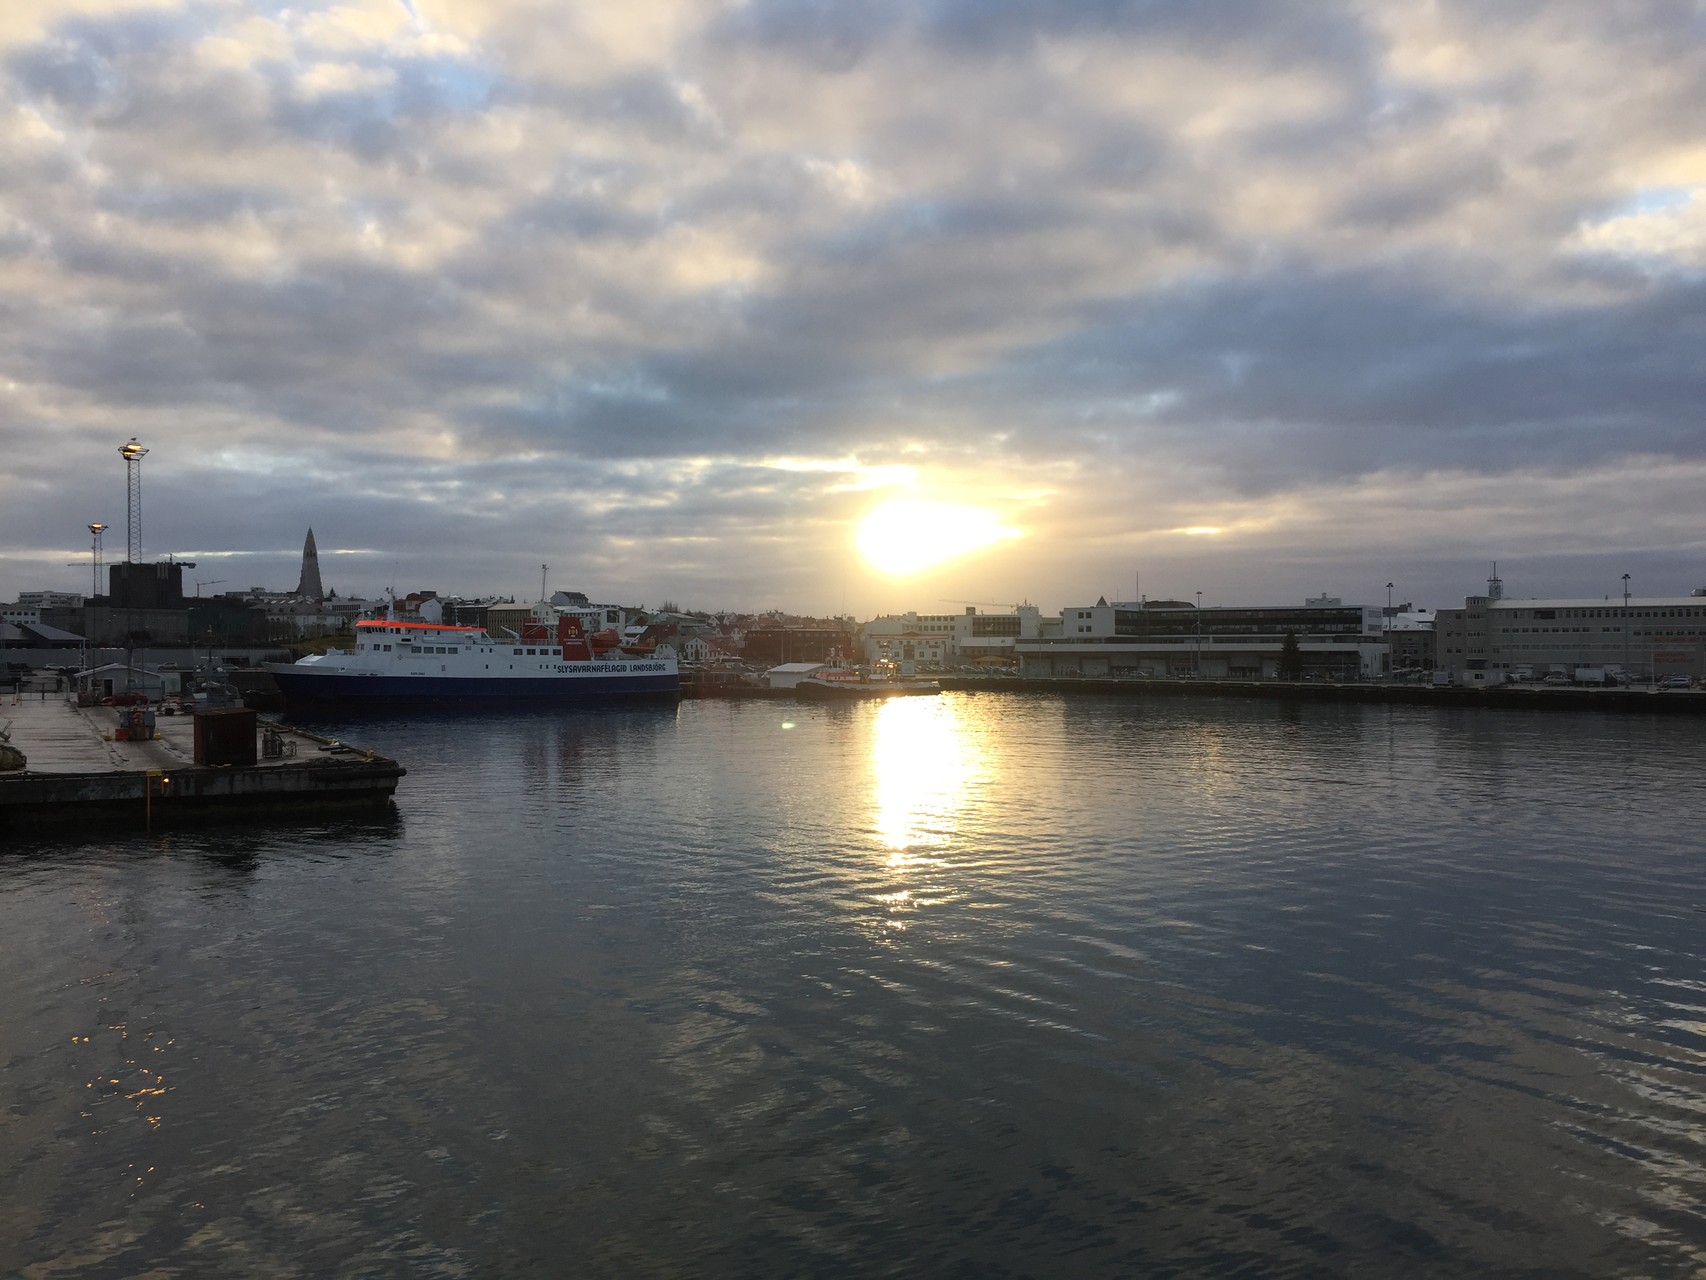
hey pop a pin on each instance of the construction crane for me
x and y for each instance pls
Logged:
(206, 582)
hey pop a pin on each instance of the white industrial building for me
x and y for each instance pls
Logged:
(951, 639)
(789, 674)
(1492, 639)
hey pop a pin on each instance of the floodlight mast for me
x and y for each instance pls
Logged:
(132, 453)
(96, 529)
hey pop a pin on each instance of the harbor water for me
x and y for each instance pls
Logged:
(972, 985)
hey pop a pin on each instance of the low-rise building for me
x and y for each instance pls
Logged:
(954, 638)
(123, 677)
(1492, 639)
(50, 599)
(789, 674)
(37, 635)
(31, 604)
(909, 648)
(1410, 635)
(1175, 638)
(299, 618)
(772, 646)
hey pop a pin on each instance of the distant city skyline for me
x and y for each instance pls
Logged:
(1254, 299)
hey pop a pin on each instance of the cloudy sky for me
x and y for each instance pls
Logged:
(1253, 297)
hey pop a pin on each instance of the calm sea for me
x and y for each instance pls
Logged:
(968, 986)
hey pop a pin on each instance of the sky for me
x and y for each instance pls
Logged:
(1257, 298)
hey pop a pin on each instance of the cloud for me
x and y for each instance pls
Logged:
(412, 272)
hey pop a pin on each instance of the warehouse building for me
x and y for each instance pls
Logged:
(1176, 638)
(1492, 639)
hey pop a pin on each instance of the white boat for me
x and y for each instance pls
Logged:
(395, 661)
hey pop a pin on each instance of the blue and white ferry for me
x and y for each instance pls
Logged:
(396, 661)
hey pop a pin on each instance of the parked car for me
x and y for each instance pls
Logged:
(1555, 678)
(1675, 682)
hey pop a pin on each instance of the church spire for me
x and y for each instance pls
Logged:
(309, 584)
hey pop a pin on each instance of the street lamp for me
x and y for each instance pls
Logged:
(1626, 671)
(133, 453)
(96, 529)
(1198, 668)
(1387, 628)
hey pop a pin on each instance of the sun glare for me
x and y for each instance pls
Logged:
(900, 538)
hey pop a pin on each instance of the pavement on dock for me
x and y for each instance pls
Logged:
(57, 736)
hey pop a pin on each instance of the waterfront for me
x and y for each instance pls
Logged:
(970, 984)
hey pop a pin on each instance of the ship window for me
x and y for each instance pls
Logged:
(452, 648)
(518, 653)
(387, 648)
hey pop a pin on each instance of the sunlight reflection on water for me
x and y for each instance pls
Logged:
(926, 767)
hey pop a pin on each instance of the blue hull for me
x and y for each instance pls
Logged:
(346, 690)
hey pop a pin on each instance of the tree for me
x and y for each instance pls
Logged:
(1291, 658)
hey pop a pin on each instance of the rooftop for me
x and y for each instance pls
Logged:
(1600, 602)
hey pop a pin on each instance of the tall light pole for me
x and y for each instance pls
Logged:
(96, 529)
(1386, 627)
(133, 453)
(1626, 672)
(1198, 668)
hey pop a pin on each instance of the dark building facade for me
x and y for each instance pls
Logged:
(145, 586)
(1412, 649)
(773, 646)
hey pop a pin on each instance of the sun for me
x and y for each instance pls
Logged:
(901, 538)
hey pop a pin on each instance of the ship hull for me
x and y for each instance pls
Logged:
(349, 688)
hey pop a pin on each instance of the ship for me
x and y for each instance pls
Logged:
(396, 661)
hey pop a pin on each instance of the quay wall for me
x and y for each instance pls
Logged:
(1511, 697)
(48, 799)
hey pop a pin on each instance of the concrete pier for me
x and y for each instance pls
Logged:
(78, 771)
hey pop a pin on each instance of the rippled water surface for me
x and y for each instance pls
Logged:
(962, 986)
